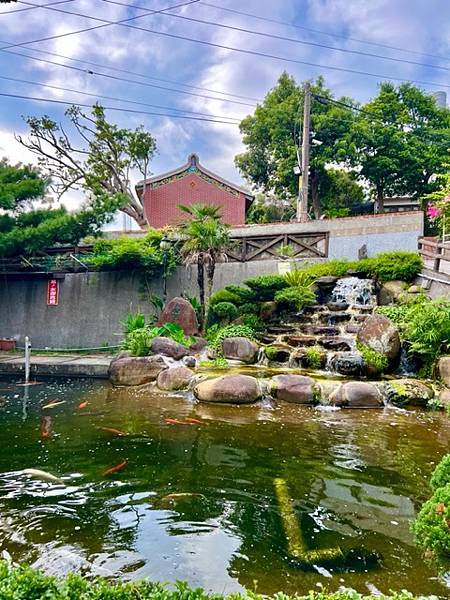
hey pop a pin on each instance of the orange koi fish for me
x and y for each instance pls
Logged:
(83, 404)
(46, 427)
(174, 422)
(53, 404)
(196, 421)
(114, 431)
(116, 468)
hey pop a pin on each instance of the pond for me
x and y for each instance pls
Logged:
(198, 501)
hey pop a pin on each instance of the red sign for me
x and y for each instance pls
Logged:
(52, 292)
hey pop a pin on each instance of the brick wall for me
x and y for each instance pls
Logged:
(161, 203)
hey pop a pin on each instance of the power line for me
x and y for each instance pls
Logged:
(118, 109)
(231, 48)
(124, 79)
(317, 31)
(18, 10)
(285, 38)
(57, 87)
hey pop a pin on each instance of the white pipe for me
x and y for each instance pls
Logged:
(27, 358)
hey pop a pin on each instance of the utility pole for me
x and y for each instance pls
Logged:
(302, 204)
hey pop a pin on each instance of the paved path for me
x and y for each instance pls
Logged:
(60, 365)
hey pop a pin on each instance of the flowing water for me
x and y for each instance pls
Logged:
(197, 501)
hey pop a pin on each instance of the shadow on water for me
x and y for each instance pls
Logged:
(141, 492)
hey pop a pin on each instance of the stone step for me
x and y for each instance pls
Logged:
(352, 328)
(336, 343)
(337, 306)
(320, 330)
(277, 329)
(332, 318)
(313, 309)
(300, 340)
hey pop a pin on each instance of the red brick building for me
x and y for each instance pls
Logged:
(191, 184)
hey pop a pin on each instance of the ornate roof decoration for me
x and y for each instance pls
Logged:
(193, 166)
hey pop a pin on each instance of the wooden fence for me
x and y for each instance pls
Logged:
(279, 245)
(435, 254)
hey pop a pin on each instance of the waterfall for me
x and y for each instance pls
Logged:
(354, 291)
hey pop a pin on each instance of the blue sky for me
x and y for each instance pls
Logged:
(414, 25)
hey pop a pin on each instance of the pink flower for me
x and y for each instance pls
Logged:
(433, 212)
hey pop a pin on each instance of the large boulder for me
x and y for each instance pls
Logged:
(378, 333)
(347, 363)
(407, 392)
(177, 378)
(135, 370)
(356, 394)
(240, 348)
(180, 311)
(390, 292)
(168, 347)
(232, 389)
(295, 388)
(444, 369)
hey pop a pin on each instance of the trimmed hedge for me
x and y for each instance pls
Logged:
(23, 583)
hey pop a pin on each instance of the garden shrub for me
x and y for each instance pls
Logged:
(138, 341)
(249, 308)
(264, 287)
(393, 265)
(225, 310)
(373, 359)
(298, 277)
(431, 526)
(243, 293)
(296, 297)
(132, 322)
(224, 296)
(24, 583)
(428, 329)
(253, 321)
(441, 474)
(230, 331)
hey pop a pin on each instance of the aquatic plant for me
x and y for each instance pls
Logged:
(218, 363)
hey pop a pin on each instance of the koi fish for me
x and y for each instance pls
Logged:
(114, 431)
(181, 495)
(46, 427)
(53, 404)
(83, 404)
(116, 468)
(30, 383)
(42, 475)
(174, 422)
(196, 421)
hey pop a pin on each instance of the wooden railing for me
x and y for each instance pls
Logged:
(435, 254)
(278, 245)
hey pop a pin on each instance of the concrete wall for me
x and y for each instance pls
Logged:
(92, 305)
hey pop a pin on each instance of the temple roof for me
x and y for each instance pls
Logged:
(192, 166)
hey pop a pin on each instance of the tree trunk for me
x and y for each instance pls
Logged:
(315, 194)
(201, 290)
(380, 199)
(210, 270)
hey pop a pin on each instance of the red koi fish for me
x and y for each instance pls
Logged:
(116, 468)
(196, 421)
(83, 404)
(114, 431)
(174, 422)
(46, 427)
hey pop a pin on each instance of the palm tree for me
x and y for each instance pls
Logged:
(205, 242)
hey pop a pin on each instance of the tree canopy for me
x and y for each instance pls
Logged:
(93, 155)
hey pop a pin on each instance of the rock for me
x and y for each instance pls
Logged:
(268, 310)
(356, 394)
(333, 318)
(177, 378)
(294, 388)
(352, 328)
(378, 333)
(390, 292)
(180, 311)
(122, 354)
(360, 318)
(199, 345)
(189, 361)
(300, 340)
(444, 397)
(337, 306)
(347, 363)
(277, 329)
(327, 281)
(233, 389)
(168, 347)
(278, 353)
(415, 289)
(320, 330)
(136, 370)
(240, 348)
(443, 368)
(407, 392)
(336, 343)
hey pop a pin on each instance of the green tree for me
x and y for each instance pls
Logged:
(99, 162)
(340, 193)
(25, 228)
(205, 242)
(399, 141)
(272, 135)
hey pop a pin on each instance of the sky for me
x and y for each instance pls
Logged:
(199, 75)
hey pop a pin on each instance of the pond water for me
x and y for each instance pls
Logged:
(197, 502)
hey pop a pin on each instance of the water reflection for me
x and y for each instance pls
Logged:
(198, 502)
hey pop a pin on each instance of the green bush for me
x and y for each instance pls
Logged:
(138, 341)
(314, 357)
(393, 265)
(253, 321)
(265, 287)
(298, 278)
(132, 322)
(431, 526)
(243, 293)
(224, 296)
(373, 359)
(335, 268)
(225, 310)
(296, 297)
(229, 331)
(428, 329)
(24, 583)
(397, 313)
(441, 474)
(249, 308)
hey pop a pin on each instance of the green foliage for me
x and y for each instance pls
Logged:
(389, 266)
(128, 253)
(373, 359)
(397, 313)
(314, 357)
(229, 331)
(428, 329)
(264, 287)
(24, 583)
(441, 474)
(19, 185)
(335, 268)
(298, 278)
(271, 352)
(225, 310)
(218, 363)
(435, 404)
(244, 293)
(253, 321)
(431, 526)
(249, 308)
(138, 341)
(296, 297)
(132, 322)
(224, 296)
